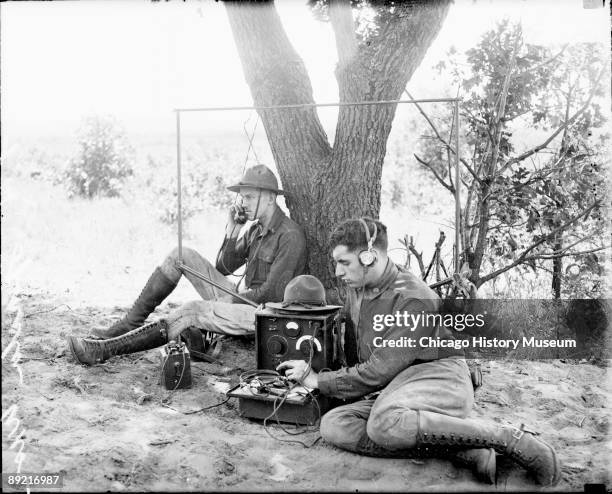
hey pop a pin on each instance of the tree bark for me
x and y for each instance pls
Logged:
(326, 185)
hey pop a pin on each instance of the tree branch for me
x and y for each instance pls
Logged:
(501, 112)
(484, 208)
(565, 124)
(418, 255)
(565, 254)
(440, 179)
(580, 239)
(523, 257)
(341, 18)
(542, 64)
(441, 139)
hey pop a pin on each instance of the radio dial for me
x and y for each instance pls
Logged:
(276, 346)
(292, 329)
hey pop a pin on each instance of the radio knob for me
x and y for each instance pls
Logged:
(276, 346)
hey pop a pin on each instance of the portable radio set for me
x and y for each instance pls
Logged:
(282, 335)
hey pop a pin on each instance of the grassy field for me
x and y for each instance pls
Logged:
(95, 249)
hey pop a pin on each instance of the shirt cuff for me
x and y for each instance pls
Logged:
(327, 383)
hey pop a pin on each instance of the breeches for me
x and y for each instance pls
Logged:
(214, 312)
(441, 386)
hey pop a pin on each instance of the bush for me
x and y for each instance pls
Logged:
(101, 163)
(203, 188)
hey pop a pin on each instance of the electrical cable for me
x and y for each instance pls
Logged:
(221, 254)
(266, 377)
(250, 139)
(256, 249)
(207, 407)
(179, 380)
(246, 159)
(277, 405)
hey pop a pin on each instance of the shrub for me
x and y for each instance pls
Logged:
(203, 188)
(101, 163)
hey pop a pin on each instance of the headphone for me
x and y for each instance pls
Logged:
(368, 257)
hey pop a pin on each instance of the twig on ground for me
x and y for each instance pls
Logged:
(76, 384)
(47, 310)
(44, 396)
(498, 400)
(168, 406)
(161, 443)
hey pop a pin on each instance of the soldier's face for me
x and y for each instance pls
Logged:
(250, 199)
(348, 267)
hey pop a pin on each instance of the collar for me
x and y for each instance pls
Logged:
(275, 221)
(277, 218)
(388, 277)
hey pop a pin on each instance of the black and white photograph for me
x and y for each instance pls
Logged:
(306, 245)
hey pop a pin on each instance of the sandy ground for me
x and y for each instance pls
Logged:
(113, 427)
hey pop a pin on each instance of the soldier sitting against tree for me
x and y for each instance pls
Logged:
(274, 249)
(410, 401)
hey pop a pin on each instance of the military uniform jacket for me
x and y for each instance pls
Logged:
(274, 256)
(372, 364)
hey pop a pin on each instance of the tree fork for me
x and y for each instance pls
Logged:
(328, 185)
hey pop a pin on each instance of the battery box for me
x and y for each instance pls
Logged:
(175, 364)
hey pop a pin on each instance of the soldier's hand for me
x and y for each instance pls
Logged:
(299, 371)
(235, 212)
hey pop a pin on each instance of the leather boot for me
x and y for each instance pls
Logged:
(88, 351)
(481, 461)
(538, 457)
(157, 288)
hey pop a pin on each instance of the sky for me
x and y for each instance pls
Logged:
(139, 60)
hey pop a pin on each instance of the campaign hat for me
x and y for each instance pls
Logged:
(304, 293)
(259, 177)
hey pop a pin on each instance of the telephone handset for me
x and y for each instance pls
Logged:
(240, 216)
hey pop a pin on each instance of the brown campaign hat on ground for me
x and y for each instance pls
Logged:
(304, 293)
(258, 176)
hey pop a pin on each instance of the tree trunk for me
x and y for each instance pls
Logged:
(326, 185)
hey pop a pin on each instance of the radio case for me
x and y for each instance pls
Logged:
(282, 336)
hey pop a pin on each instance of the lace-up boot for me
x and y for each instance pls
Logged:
(520, 444)
(89, 351)
(481, 461)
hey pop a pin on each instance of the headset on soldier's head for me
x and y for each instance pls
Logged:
(368, 257)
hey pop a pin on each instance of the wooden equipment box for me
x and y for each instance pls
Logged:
(285, 335)
(299, 410)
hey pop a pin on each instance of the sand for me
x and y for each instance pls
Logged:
(113, 427)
